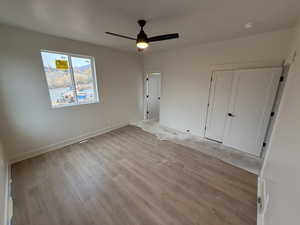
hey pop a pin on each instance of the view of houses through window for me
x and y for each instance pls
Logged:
(71, 79)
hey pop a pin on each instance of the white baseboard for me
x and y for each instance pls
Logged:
(52, 147)
(195, 132)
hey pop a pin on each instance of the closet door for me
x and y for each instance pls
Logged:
(250, 107)
(220, 92)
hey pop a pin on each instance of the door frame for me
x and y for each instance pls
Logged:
(275, 108)
(146, 92)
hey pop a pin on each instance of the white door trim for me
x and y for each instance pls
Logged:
(246, 65)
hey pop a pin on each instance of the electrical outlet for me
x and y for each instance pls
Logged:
(83, 141)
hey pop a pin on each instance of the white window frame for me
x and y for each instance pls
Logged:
(95, 83)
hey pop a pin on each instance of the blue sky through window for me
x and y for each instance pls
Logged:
(49, 58)
(79, 62)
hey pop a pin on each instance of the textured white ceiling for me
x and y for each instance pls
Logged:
(197, 21)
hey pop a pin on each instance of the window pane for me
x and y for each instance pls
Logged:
(84, 79)
(57, 70)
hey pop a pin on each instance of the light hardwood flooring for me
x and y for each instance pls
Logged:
(129, 177)
(227, 154)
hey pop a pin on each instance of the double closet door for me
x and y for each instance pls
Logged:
(240, 105)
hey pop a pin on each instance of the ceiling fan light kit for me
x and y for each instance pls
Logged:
(142, 45)
(142, 41)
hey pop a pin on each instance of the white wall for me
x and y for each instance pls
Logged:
(281, 167)
(186, 73)
(28, 122)
(3, 184)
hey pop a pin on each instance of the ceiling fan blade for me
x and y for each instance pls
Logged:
(163, 37)
(121, 36)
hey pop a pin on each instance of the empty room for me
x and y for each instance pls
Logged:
(149, 112)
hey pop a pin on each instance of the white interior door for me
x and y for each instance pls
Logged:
(220, 93)
(250, 107)
(154, 96)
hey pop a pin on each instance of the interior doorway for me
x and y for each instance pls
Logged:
(152, 96)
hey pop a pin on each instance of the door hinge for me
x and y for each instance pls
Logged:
(147, 96)
(264, 144)
(272, 114)
(211, 78)
(281, 78)
(147, 112)
(259, 203)
(205, 128)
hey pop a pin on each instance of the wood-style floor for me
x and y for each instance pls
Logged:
(129, 177)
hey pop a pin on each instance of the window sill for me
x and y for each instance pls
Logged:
(72, 105)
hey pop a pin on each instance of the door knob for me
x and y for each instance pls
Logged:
(230, 114)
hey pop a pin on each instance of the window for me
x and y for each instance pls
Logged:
(71, 78)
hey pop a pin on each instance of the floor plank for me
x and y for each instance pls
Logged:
(129, 177)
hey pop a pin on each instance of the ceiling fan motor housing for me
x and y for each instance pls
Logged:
(142, 23)
(142, 37)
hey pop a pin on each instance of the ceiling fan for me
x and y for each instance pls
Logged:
(142, 40)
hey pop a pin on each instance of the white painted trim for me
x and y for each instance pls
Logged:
(246, 65)
(264, 196)
(52, 147)
(291, 74)
(7, 212)
(145, 92)
(259, 213)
